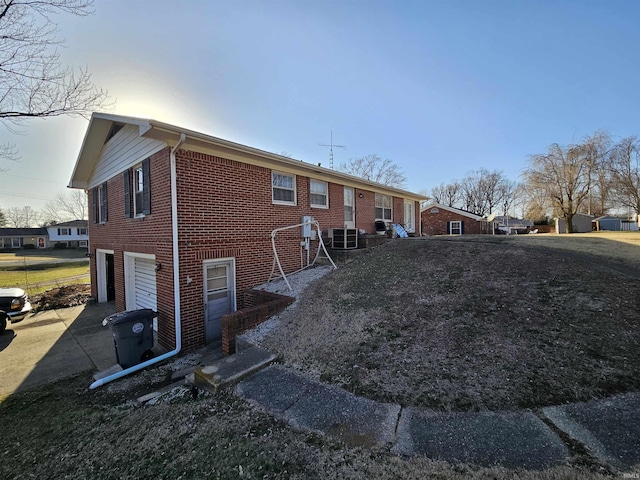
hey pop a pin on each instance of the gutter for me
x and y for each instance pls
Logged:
(176, 280)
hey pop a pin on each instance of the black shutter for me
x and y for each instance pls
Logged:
(103, 202)
(94, 201)
(146, 192)
(461, 227)
(127, 193)
(448, 228)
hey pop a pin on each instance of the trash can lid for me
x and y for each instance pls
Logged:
(130, 316)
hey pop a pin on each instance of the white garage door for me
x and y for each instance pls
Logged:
(140, 270)
(145, 283)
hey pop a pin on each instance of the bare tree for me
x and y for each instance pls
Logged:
(446, 194)
(596, 150)
(67, 206)
(33, 81)
(375, 169)
(565, 174)
(22, 217)
(508, 193)
(473, 199)
(625, 170)
(427, 199)
(3, 219)
(536, 203)
(483, 191)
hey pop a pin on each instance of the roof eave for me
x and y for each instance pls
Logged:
(100, 124)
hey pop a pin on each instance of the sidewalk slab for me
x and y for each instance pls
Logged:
(508, 439)
(310, 405)
(610, 428)
(233, 368)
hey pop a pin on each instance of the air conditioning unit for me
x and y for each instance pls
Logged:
(344, 238)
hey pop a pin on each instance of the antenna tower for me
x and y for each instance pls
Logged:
(331, 145)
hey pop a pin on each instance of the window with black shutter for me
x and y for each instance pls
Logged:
(99, 201)
(142, 188)
(127, 193)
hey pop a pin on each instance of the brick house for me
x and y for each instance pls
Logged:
(438, 219)
(181, 221)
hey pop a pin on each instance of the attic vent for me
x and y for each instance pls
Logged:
(115, 128)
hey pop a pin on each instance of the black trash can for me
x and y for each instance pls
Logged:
(132, 335)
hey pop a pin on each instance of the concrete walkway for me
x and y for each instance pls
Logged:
(608, 429)
(55, 344)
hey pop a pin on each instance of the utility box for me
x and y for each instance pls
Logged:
(132, 335)
(306, 228)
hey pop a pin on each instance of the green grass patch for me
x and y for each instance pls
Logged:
(42, 254)
(33, 276)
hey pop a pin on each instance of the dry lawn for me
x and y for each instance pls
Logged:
(64, 431)
(613, 246)
(472, 323)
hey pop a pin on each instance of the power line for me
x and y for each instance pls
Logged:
(24, 196)
(331, 145)
(32, 178)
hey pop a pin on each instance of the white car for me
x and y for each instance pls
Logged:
(14, 306)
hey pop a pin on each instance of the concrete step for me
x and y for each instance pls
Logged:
(231, 369)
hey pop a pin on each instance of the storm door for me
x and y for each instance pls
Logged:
(219, 295)
(349, 208)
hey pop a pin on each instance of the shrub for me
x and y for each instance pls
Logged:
(29, 246)
(60, 245)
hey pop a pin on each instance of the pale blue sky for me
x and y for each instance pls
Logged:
(439, 87)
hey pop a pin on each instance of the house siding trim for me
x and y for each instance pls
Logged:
(126, 149)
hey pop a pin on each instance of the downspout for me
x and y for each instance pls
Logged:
(176, 279)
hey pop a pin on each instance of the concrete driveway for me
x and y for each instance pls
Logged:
(55, 344)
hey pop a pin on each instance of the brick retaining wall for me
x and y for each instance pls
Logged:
(254, 307)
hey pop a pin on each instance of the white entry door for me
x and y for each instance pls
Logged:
(219, 295)
(349, 208)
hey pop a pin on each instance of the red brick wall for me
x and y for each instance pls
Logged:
(436, 223)
(150, 234)
(225, 210)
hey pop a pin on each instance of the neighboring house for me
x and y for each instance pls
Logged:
(581, 223)
(181, 221)
(511, 225)
(19, 237)
(438, 219)
(607, 223)
(72, 234)
(614, 224)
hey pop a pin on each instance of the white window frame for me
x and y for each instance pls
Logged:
(325, 193)
(13, 242)
(83, 243)
(82, 231)
(379, 204)
(63, 232)
(280, 187)
(459, 227)
(138, 190)
(100, 194)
